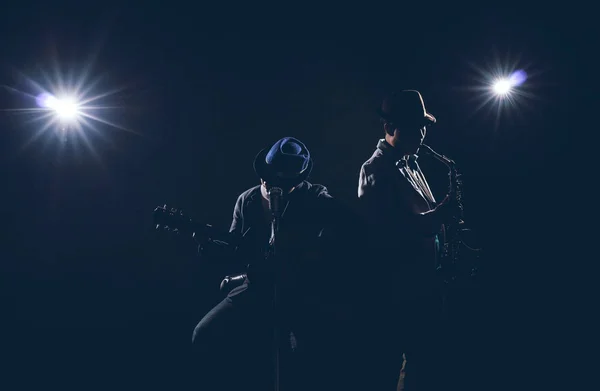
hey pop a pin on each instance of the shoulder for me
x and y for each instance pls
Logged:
(251, 191)
(317, 194)
(325, 204)
(248, 194)
(373, 168)
(311, 190)
(320, 191)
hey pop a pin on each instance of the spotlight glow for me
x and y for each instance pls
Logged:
(501, 87)
(504, 86)
(70, 107)
(65, 109)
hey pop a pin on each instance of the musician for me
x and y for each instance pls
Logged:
(406, 221)
(233, 342)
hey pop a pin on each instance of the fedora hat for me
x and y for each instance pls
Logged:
(286, 163)
(405, 108)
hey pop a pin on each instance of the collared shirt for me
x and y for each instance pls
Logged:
(313, 222)
(310, 255)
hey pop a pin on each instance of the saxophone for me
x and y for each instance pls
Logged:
(451, 263)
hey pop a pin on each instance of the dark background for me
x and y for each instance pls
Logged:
(91, 300)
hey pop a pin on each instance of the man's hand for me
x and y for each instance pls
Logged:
(175, 242)
(447, 209)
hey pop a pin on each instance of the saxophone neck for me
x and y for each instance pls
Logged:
(444, 159)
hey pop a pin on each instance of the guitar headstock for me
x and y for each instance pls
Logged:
(172, 219)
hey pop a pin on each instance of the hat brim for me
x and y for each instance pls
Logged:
(428, 119)
(266, 173)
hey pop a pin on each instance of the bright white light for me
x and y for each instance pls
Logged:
(65, 108)
(502, 86)
(69, 107)
(501, 89)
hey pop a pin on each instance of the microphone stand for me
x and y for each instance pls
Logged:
(271, 254)
(276, 342)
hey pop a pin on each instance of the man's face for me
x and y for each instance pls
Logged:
(410, 138)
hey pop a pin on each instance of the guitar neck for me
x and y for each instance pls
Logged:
(175, 220)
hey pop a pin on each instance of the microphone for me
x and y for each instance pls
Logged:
(275, 195)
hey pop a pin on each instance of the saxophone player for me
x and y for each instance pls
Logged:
(406, 222)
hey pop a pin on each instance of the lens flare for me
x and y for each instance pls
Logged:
(504, 86)
(69, 107)
(65, 109)
(501, 88)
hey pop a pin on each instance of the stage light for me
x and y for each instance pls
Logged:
(504, 86)
(501, 88)
(74, 107)
(65, 109)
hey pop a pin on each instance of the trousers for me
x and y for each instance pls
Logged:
(402, 346)
(233, 346)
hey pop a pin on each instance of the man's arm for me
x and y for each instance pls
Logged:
(221, 243)
(237, 222)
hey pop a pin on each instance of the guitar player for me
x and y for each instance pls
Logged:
(232, 343)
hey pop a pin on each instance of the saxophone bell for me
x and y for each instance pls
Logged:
(452, 261)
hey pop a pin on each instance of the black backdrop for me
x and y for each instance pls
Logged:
(89, 299)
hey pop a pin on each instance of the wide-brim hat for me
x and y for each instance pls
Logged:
(287, 163)
(405, 108)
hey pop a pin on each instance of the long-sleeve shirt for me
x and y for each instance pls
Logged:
(397, 203)
(315, 240)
